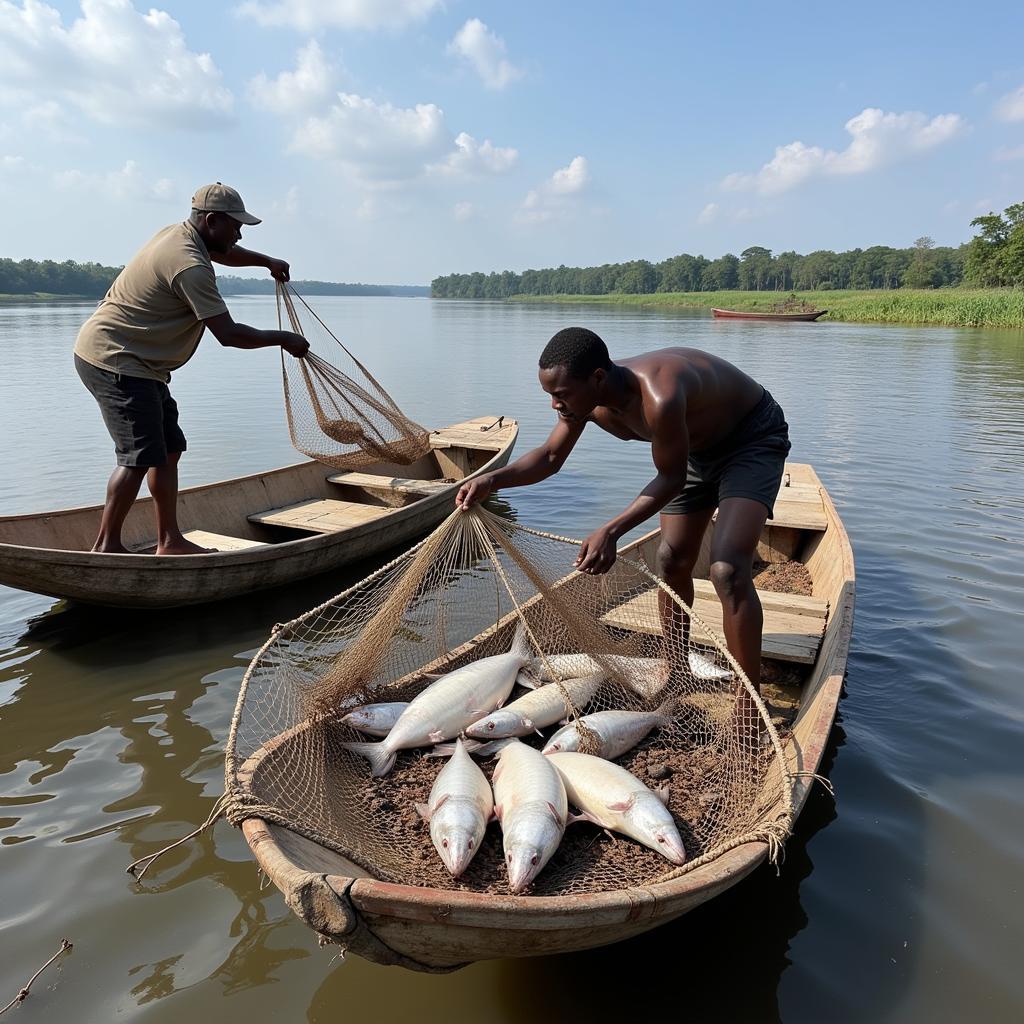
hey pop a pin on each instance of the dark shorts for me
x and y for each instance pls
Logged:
(141, 416)
(747, 464)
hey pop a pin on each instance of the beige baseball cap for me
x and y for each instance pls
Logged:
(218, 198)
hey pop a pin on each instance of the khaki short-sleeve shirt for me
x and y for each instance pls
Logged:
(151, 320)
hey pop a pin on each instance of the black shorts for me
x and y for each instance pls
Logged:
(748, 464)
(140, 415)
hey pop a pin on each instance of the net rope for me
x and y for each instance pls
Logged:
(345, 420)
(458, 596)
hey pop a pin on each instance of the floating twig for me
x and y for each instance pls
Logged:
(65, 945)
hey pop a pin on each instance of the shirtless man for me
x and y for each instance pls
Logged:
(718, 439)
(150, 323)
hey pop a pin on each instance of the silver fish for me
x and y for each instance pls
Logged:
(539, 708)
(530, 803)
(375, 719)
(613, 798)
(645, 676)
(447, 706)
(459, 807)
(704, 667)
(615, 732)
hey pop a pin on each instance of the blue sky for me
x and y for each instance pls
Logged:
(395, 140)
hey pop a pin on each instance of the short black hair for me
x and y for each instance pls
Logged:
(580, 351)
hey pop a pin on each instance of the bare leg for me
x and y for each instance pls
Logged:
(681, 537)
(737, 530)
(163, 485)
(122, 490)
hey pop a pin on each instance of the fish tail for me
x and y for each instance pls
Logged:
(666, 711)
(521, 644)
(381, 759)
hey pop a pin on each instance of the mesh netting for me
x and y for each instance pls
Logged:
(459, 596)
(346, 421)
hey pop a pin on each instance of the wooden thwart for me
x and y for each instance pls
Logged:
(793, 624)
(472, 435)
(399, 484)
(323, 515)
(799, 506)
(205, 539)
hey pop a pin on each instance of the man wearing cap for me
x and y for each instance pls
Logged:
(150, 323)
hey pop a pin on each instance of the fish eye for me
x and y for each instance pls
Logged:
(471, 844)
(533, 859)
(444, 843)
(490, 726)
(509, 858)
(661, 839)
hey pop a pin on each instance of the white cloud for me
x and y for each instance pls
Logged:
(708, 214)
(1009, 153)
(380, 143)
(1011, 106)
(126, 183)
(310, 84)
(553, 198)
(485, 51)
(879, 138)
(306, 15)
(470, 158)
(983, 205)
(463, 211)
(11, 163)
(112, 63)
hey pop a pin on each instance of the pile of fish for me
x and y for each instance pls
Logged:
(532, 789)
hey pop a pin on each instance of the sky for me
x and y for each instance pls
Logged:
(392, 141)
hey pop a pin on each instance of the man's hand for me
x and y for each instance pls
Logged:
(279, 270)
(295, 345)
(597, 552)
(473, 492)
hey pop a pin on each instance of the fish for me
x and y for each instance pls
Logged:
(539, 708)
(645, 676)
(704, 667)
(458, 809)
(614, 732)
(448, 705)
(375, 719)
(615, 799)
(530, 802)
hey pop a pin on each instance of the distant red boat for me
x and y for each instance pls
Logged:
(738, 315)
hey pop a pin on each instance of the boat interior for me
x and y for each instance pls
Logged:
(304, 500)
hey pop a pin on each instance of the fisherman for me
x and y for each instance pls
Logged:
(718, 439)
(150, 323)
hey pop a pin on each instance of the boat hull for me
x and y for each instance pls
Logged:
(732, 314)
(151, 581)
(438, 930)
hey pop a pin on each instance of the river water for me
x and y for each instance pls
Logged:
(899, 900)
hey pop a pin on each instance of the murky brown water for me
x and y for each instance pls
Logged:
(898, 901)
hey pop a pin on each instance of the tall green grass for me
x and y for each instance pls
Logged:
(950, 307)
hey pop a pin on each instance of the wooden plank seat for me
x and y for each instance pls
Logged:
(320, 515)
(799, 506)
(793, 624)
(206, 539)
(472, 434)
(401, 485)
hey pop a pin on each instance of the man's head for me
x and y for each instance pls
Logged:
(218, 213)
(573, 369)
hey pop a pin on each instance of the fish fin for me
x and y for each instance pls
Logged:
(521, 644)
(539, 733)
(442, 801)
(437, 736)
(381, 759)
(622, 805)
(527, 679)
(423, 810)
(608, 832)
(498, 810)
(574, 819)
(433, 676)
(441, 750)
(492, 748)
(554, 813)
(666, 711)
(662, 794)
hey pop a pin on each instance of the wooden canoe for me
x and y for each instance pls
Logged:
(436, 929)
(269, 528)
(734, 314)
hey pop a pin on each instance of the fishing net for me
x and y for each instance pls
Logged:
(459, 596)
(346, 420)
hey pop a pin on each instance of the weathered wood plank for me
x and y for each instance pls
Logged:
(325, 515)
(403, 485)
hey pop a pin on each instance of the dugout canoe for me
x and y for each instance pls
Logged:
(734, 314)
(269, 528)
(439, 929)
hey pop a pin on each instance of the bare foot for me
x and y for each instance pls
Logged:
(111, 549)
(183, 547)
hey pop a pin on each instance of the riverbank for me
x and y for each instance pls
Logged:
(947, 307)
(46, 297)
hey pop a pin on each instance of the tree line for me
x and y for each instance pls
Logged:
(994, 257)
(91, 280)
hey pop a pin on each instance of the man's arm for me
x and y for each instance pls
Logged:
(232, 335)
(670, 449)
(530, 468)
(236, 256)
